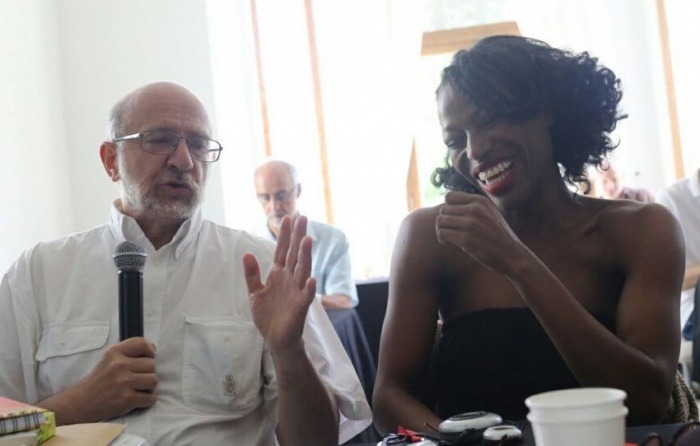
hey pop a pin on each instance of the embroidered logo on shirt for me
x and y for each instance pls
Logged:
(230, 385)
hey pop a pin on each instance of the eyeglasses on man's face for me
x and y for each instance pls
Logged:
(163, 142)
(282, 196)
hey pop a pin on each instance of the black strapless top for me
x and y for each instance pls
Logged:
(493, 359)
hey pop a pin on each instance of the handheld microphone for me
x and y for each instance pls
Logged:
(130, 259)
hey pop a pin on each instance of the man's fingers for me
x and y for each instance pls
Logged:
(143, 365)
(137, 347)
(145, 382)
(309, 291)
(251, 271)
(303, 269)
(283, 240)
(144, 399)
(298, 233)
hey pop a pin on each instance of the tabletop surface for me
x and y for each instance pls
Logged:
(633, 435)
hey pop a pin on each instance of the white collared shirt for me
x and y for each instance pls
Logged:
(683, 200)
(59, 314)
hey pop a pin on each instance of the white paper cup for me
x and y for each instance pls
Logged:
(578, 417)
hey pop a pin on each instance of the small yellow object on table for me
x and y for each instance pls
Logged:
(87, 434)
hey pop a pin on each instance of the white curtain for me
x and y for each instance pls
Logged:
(683, 18)
(367, 54)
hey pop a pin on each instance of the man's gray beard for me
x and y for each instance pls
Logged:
(142, 201)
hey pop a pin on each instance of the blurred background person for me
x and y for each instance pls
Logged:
(608, 184)
(277, 188)
(683, 200)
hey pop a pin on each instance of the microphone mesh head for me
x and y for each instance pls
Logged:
(128, 256)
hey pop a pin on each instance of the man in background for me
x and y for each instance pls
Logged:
(608, 185)
(244, 354)
(277, 187)
(683, 200)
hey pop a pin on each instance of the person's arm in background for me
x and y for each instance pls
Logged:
(691, 276)
(641, 195)
(338, 287)
(336, 301)
(692, 272)
(279, 309)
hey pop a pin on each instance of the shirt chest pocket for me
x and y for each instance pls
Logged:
(68, 351)
(222, 366)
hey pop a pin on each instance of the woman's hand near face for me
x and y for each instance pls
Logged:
(474, 224)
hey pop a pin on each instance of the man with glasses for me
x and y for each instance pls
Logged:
(225, 312)
(277, 187)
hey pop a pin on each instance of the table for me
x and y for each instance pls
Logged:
(349, 328)
(94, 434)
(633, 435)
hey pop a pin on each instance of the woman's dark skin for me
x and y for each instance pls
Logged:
(531, 242)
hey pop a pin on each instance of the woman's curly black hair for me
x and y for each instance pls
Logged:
(514, 78)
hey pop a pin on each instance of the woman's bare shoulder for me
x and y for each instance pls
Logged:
(423, 215)
(420, 223)
(627, 223)
(629, 215)
(417, 239)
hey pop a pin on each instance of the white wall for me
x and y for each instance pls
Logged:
(36, 200)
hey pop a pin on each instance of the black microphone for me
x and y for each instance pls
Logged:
(130, 259)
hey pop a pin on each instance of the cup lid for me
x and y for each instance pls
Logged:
(579, 397)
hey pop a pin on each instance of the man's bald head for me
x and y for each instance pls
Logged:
(277, 167)
(277, 188)
(154, 96)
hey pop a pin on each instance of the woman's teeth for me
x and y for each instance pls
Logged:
(489, 174)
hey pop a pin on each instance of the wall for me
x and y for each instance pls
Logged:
(36, 201)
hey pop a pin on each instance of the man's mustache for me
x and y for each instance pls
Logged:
(184, 180)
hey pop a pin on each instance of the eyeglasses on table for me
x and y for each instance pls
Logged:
(686, 435)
